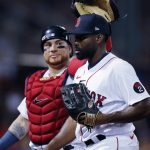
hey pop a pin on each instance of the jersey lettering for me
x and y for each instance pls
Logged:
(98, 98)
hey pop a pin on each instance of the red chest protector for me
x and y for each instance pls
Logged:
(45, 107)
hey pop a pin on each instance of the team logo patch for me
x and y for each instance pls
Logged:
(138, 88)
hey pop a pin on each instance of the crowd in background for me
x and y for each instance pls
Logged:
(22, 22)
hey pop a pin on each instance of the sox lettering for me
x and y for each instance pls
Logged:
(98, 98)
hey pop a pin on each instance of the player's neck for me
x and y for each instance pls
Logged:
(54, 71)
(97, 60)
(97, 56)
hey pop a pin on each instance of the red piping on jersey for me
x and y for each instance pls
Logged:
(99, 69)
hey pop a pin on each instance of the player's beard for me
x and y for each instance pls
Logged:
(58, 63)
(87, 52)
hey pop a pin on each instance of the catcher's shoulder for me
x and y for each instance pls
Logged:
(74, 65)
(36, 74)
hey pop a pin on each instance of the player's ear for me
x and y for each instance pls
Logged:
(70, 51)
(99, 38)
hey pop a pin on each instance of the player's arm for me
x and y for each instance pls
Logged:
(65, 136)
(138, 108)
(131, 113)
(17, 131)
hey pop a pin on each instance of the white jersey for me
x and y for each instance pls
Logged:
(23, 109)
(114, 86)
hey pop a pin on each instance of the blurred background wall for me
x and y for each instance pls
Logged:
(21, 25)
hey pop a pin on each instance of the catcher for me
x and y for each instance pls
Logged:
(42, 112)
(106, 97)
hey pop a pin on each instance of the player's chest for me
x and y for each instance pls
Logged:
(100, 84)
(96, 79)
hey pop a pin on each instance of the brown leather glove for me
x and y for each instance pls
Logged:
(105, 8)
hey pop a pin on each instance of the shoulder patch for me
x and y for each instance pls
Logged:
(138, 88)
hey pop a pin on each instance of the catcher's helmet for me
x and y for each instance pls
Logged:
(55, 32)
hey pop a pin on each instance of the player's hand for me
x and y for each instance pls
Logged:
(87, 119)
(90, 119)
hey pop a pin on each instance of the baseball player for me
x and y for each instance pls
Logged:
(42, 112)
(115, 88)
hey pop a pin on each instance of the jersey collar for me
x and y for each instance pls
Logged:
(92, 65)
(106, 58)
(47, 73)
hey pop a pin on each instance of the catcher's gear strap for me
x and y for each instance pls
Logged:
(65, 79)
(7, 140)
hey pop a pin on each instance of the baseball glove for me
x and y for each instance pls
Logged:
(79, 103)
(105, 8)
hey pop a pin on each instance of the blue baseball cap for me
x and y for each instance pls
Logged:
(91, 24)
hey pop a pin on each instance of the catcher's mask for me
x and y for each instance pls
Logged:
(91, 24)
(55, 32)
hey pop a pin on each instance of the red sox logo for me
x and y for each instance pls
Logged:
(138, 88)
